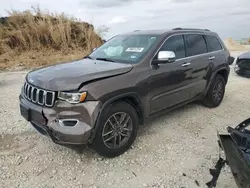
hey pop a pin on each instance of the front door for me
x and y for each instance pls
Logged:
(169, 82)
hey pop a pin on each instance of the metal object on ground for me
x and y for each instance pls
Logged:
(236, 146)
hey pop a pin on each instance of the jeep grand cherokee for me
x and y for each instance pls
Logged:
(133, 77)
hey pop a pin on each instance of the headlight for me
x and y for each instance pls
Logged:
(72, 97)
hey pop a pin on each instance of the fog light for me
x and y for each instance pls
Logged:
(68, 122)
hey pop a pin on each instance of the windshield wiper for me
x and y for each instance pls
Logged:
(88, 57)
(105, 59)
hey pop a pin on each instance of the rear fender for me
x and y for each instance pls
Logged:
(213, 77)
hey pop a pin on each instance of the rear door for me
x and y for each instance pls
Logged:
(198, 57)
(217, 55)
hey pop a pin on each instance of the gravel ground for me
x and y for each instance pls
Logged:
(175, 150)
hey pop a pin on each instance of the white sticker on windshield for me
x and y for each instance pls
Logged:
(134, 49)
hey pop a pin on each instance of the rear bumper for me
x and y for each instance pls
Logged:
(65, 123)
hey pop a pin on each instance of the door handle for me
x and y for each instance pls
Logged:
(211, 58)
(186, 64)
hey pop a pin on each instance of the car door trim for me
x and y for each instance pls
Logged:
(188, 33)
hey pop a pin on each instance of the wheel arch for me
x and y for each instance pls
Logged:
(221, 71)
(133, 98)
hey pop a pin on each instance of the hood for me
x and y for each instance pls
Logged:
(245, 55)
(69, 76)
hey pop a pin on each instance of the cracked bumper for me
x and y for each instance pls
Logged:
(65, 123)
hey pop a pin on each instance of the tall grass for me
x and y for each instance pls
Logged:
(39, 31)
(35, 30)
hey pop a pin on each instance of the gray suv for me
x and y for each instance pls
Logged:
(133, 77)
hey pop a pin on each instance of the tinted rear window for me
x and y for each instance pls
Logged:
(175, 44)
(195, 44)
(213, 43)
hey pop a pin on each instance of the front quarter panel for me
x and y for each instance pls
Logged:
(135, 82)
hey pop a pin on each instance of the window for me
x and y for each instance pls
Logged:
(195, 44)
(125, 48)
(213, 44)
(175, 44)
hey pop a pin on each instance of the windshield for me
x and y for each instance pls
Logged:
(125, 49)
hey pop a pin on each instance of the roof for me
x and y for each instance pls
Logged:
(164, 31)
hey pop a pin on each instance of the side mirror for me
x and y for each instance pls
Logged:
(164, 57)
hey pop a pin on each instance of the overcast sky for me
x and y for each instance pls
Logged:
(230, 18)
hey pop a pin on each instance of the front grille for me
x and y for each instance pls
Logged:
(39, 96)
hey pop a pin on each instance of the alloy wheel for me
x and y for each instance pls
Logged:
(117, 130)
(218, 91)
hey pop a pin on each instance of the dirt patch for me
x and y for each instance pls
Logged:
(234, 46)
(6, 141)
(13, 144)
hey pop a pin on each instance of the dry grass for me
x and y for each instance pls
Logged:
(33, 38)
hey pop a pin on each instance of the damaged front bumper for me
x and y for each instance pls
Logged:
(65, 123)
(236, 146)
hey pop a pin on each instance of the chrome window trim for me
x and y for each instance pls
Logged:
(182, 34)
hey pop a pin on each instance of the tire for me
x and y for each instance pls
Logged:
(107, 124)
(211, 100)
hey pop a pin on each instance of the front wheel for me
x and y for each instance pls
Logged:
(117, 130)
(215, 93)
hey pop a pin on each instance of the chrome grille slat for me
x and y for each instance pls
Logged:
(41, 103)
(53, 98)
(31, 93)
(31, 96)
(26, 89)
(44, 97)
(37, 95)
(34, 94)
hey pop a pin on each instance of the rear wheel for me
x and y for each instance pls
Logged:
(215, 93)
(117, 130)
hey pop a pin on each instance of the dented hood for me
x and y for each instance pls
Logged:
(69, 76)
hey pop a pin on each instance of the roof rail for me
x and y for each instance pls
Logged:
(179, 28)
